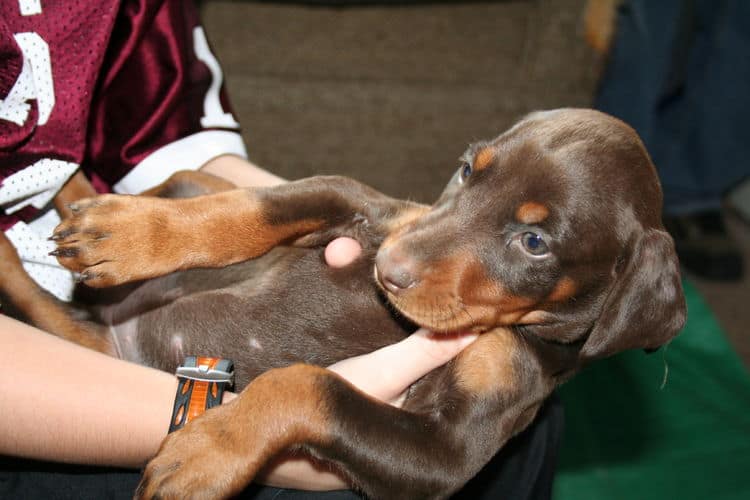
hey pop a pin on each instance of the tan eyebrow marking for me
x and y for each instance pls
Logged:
(532, 212)
(483, 159)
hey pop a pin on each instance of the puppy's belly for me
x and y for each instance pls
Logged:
(283, 308)
(129, 346)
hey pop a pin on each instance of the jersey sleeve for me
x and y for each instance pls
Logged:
(161, 105)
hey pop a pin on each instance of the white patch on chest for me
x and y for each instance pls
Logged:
(175, 349)
(125, 335)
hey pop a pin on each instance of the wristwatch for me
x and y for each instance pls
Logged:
(201, 385)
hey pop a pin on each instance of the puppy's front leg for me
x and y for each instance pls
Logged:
(115, 239)
(385, 452)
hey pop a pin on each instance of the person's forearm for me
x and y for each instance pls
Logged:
(240, 172)
(75, 405)
(65, 403)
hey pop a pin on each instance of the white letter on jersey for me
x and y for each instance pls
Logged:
(34, 82)
(213, 114)
(30, 7)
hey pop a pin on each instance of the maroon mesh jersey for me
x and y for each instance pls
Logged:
(128, 91)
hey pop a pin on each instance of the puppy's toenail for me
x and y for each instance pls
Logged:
(64, 252)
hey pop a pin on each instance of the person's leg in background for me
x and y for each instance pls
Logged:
(678, 73)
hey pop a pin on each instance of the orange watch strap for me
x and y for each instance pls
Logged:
(201, 385)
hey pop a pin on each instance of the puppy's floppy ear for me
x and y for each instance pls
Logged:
(646, 306)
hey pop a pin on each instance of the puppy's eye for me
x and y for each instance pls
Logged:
(534, 244)
(464, 171)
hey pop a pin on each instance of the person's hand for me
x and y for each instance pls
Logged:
(388, 372)
(342, 251)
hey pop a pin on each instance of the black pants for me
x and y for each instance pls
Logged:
(523, 469)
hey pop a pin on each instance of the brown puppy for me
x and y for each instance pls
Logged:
(548, 240)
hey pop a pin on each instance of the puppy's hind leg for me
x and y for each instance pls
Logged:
(77, 188)
(23, 298)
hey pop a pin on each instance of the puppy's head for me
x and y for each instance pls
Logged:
(554, 228)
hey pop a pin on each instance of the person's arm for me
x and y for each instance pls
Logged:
(241, 172)
(65, 403)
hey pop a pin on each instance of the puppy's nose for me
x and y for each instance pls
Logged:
(394, 271)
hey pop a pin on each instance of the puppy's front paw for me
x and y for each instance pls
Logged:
(198, 462)
(113, 239)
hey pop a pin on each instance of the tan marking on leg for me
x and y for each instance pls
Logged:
(235, 230)
(532, 213)
(117, 239)
(488, 365)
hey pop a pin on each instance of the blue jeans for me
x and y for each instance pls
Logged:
(679, 73)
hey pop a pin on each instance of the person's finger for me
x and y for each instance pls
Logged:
(437, 349)
(386, 373)
(342, 251)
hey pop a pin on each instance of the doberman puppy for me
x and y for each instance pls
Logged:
(547, 240)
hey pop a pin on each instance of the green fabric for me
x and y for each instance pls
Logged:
(627, 438)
